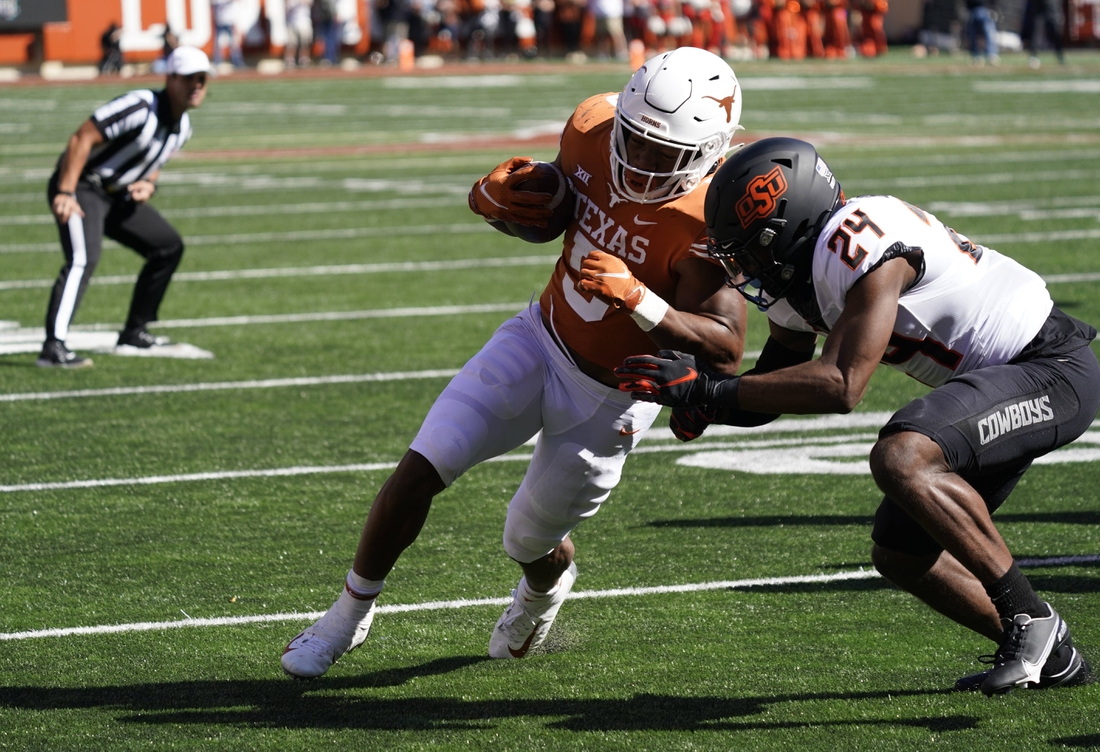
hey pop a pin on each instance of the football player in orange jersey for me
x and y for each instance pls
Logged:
(634, 276)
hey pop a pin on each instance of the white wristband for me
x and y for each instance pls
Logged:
(650, 311)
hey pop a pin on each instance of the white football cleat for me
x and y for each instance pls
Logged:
(335, 634)
(527, 620)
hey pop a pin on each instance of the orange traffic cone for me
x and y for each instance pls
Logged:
(406, 55)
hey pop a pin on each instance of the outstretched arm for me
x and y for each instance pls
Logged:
(837, 381)
(834, 383)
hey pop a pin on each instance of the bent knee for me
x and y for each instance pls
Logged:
(172, 249)
(898, 567)
(899, 457)
(884, 560)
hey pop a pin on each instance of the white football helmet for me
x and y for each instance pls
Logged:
(687, 99)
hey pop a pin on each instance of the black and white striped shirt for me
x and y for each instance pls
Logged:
(139, 137)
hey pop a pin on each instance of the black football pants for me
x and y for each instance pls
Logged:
(135, 225)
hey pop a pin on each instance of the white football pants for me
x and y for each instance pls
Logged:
(518, 384)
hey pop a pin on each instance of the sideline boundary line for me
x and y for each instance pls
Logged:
(228, 621)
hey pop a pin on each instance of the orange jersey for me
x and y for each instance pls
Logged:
(651, 238)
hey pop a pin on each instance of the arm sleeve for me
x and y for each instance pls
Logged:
(773, 357)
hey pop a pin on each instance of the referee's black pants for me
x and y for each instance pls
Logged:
(135, 225)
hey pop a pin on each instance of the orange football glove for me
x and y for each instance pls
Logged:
(607, 277)
(492, 197)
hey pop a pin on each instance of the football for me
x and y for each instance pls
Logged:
(544, 177)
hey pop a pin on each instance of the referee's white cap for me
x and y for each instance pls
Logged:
(187, 60)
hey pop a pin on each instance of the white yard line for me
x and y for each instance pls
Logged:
(1025, 209)
(991, 178)
(214, 386)
(210, 386)
(278, 472)
(291, 236)
(377, 313)
(651, 445)
(477, 264)
(230, 621)
(102, 337)
(310, 271)
(854, 420)
(259, 210)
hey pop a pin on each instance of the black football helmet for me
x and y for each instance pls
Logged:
(764, 209)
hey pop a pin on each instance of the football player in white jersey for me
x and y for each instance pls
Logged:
(1013, 378)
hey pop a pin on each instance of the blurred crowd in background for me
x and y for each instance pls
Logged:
(604, 29)
(411, 33)
(624, 30)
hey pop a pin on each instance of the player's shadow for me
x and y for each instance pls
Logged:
(1089, 741)
(333, 703)
(783, 520)
(1086, 517)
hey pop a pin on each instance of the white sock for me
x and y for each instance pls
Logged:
(536, 594)
(362, 589)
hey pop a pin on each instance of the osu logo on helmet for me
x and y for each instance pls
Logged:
(761, 196)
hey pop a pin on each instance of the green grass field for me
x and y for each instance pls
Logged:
(190, 514)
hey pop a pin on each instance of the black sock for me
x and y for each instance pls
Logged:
(1012, 594)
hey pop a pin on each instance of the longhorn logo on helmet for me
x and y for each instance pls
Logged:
(726, 103)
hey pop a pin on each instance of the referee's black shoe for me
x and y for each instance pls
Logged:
(141, 338)
(55, 355)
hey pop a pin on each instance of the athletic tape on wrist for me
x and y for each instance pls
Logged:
(650, 311)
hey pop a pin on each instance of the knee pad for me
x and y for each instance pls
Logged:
(556, 494)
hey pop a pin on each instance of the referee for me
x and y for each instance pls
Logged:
(100, 187)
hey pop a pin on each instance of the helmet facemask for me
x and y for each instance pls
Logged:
(755, 262)
(682, 165)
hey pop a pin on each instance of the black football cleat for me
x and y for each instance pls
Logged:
(1066, 667)
(1035, 652)
(55, 355)
(1027, 644)
(140, 338)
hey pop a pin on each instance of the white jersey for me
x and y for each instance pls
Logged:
(971, 308)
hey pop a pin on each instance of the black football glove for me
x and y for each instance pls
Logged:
(688, 423)
(672, 378)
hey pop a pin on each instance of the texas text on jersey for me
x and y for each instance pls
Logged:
(944, 325)
(651, 238)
